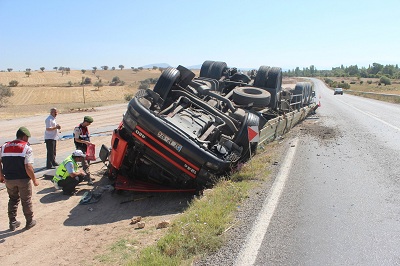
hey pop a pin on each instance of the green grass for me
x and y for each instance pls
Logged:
(200, 229)
(119, 252)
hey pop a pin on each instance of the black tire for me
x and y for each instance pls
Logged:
(216, 70)
(242, 138)
(274, 78)
(167, 79)
(205, 67)
(273, 103)
(248, 95)
(261, 77)
(299, 89)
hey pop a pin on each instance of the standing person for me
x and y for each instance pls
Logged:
(16, 170)
(50, 137)
(68, 176)
(81, 140)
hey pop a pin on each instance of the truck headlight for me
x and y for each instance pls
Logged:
(129, 122)
(212, 166)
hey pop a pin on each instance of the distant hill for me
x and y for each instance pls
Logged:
(162, 65)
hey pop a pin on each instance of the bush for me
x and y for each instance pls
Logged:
(144, 86)
(352, 82)
(98, 84)
(369, 81)
(385, 80)
(128, 97)
(5, 92)
(87, 80)
(13, 83)
(361, 82)
(115, 80)
(344, 85)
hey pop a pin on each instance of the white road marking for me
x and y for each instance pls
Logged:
(249, 252)
(372, 116)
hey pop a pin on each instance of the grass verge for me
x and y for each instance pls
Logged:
(200, 229)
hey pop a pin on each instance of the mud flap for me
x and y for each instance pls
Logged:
(104, 153)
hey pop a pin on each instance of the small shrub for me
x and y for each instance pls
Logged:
(128, 97)
(352, 82)
(98, 84)
(87, 80)
(344, 85)
(115, 80)
(385, 80)
(5, 92)
(13, 83)
(369, 81)
(144, 86)
(361, 82)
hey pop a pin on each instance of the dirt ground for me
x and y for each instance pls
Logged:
(86, 233)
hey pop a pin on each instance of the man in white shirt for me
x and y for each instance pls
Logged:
(50, 138)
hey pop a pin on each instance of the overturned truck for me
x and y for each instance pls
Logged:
(188, 131)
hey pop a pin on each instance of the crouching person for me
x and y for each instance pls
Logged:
(68, 176)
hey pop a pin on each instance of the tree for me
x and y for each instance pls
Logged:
(13, 83)
(42, 68)
(104, 67)
(9, 69)
(5, 92)
(94, 70)
(83, 71)
(55, 68)
(98, 84)
(113, 68)
(155, 67)
(375, 69)
(121, 67)
(28, 73)
(28, 70)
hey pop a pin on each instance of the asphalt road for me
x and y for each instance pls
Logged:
(335, 199)
(341, 201)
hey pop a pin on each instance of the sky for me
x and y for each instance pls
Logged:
(81, 34)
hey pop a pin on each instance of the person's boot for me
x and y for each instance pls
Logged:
(30, 224)
(14, 225)
(90, 180)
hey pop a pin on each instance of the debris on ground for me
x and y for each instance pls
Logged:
(163, 224)
(136, 219)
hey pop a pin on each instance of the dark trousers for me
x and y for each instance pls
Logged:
(68, 184)
(19, 190)
(51, 152)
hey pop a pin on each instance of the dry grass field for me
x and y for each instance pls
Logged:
(370, 85)
(41, 90)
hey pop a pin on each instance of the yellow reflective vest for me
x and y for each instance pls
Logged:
(61, 172)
